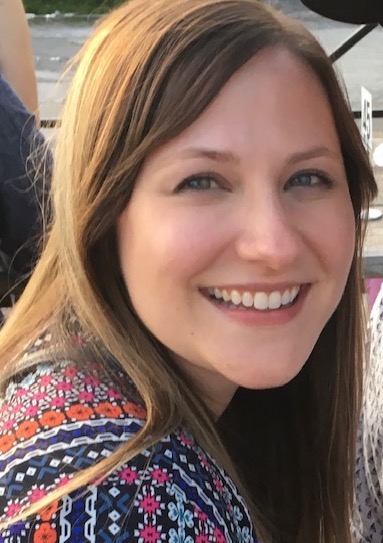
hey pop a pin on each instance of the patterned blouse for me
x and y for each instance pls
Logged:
(59, 419)
(368, 516)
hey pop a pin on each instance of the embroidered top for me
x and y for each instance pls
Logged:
(59, 419)
(368, 515)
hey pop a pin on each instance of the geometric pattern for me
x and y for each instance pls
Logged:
(58, 419)
(368, 513)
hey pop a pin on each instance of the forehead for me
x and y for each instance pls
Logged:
(273, 95)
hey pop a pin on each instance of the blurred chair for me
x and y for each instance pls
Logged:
(348, 11)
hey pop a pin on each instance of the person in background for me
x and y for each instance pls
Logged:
(368, 515)
(25, 167)
(25, 163)
(17, 64)
(185, 363)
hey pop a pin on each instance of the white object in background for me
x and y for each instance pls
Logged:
(378, 155)
(366, 119)
(371, 214)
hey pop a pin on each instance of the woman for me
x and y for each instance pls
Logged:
(194, 324)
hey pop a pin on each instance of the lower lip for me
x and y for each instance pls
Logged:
(254, 317)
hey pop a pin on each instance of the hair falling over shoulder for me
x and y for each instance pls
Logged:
(148, 71)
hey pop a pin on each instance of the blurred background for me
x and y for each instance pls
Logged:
(59, 27)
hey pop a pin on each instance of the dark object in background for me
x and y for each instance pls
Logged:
(348, 11)
(22, 191)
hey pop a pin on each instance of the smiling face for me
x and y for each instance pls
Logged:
(237, 242)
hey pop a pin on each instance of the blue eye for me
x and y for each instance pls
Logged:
(198, 183)
(310, 179)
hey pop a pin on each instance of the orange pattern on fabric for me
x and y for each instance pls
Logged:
(6, 443)
(27, 429)
(45, 534)
(52, 419)
(48, 512)
(108, 410)
(133, 409)
(79, 412)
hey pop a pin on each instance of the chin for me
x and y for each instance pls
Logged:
(269, 377)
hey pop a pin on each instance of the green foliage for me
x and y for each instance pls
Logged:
(70, 6)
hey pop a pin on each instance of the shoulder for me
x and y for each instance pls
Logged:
(199, 485)
(63, 395)
(60, 419)
(171, 492)
(16, 122)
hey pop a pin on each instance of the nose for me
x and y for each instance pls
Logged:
(269, 234)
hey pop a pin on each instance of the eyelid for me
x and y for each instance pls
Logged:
(325, 177)
(200, 175)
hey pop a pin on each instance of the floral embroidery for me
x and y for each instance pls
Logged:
(149, 534)
(172, 492)
(37, 494)
(86, 396)
(58, 402)
(6, 442)
(45, 534)
(27, 429)
(79, 412)
(64, 386)
(45, 380)
(12, 509)
(70, 371)
(128, 475)
(108, 410)
(52, 419)
(135, 410)
(48, 512)
(160, 476)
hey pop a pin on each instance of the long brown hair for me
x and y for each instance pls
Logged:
(146, 74)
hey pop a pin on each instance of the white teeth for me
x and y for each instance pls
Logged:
(286, 298)
(275, 300)
(294, 293)
(260, 301)
(217, 293)
(226, 296)
(247, 299)
(236, 298)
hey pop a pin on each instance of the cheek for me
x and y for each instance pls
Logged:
(333, 232)
(166, 247)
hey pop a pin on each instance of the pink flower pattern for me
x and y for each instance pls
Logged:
(128, 475)
(86, 396)
(58, 402)
(171, 490)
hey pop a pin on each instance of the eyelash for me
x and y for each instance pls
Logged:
(323, 177)
(186, 183)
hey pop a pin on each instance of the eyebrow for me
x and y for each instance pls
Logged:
(211, 154)
(229, 157)
(314, 152)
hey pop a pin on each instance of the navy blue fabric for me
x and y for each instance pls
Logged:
(21, 193)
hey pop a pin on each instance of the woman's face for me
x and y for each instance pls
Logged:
(237, 242)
